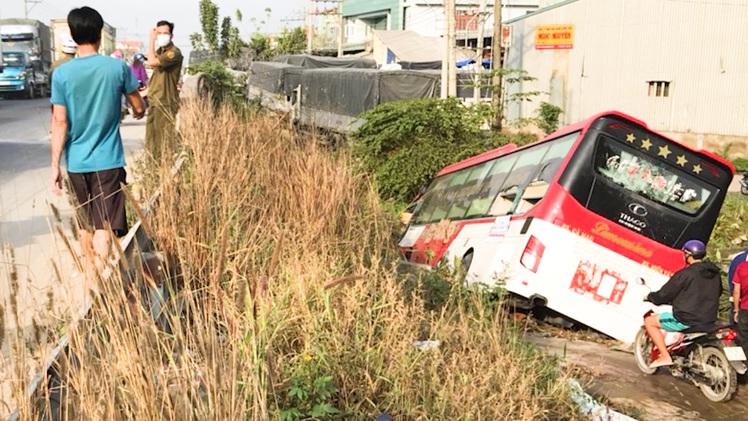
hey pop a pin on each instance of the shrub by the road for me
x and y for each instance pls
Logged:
(286, 308)
(404, 143)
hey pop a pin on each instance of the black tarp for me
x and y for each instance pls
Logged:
(421, 65)
(340, 91)
(269, 76)
(350, 92)
(407, 84)
(292, 79)
(318, 62)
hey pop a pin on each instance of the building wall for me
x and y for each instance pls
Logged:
(621, 46)
(426, 17)
(355, 8)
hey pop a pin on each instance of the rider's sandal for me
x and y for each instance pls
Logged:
(656, 364)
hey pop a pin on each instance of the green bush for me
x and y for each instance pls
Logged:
(405, 143)
(740, 163)
(548, 115)
(221, 83)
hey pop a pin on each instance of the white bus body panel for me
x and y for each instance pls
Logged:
(576, 277)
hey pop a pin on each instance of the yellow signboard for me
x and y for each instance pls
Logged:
(554, 37)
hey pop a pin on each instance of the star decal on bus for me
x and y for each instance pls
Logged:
(682, 160)
(664, 151)
(630, 138)
(697, 169)
(646, 144)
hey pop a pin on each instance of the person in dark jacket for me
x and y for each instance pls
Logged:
(693, 292)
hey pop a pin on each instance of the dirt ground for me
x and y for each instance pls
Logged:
(613, 375)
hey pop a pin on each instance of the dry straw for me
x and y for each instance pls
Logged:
(254, 227)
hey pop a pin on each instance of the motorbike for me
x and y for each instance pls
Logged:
(707, 358)
(744, 184)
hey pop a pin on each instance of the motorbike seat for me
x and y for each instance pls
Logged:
(706, 328)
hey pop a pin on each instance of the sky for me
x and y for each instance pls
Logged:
(134, 18)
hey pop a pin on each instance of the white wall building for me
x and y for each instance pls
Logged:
(680, 66)
(426, 17)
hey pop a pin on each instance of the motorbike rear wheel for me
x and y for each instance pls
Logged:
(643, 352)
(717, 368)
(743, 189)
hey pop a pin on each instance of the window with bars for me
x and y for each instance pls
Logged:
(658, 88)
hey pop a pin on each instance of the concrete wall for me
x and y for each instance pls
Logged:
(621, 46)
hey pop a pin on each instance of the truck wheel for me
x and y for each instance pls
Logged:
(30, 91)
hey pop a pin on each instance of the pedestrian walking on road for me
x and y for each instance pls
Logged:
(86, 96)
(163, 93)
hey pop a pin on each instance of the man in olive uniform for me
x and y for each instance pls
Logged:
(163, 96)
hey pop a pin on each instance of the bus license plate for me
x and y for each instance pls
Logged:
(4, 83)
(734, 353)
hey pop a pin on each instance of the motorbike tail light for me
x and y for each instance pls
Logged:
(727, 336)
(532, 254)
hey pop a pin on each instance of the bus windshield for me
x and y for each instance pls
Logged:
(641, 174)
(645, 182)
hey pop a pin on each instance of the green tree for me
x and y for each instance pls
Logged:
(209, 23)
(225, 36)
(259, 43)
(291, 42)
(196, 39)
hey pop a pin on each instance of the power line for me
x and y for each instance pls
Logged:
(27, 9)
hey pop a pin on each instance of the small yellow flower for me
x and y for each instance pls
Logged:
(307, 356)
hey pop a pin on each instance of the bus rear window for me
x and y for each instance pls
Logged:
(645, 176)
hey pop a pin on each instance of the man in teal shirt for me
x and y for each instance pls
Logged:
(86, 94)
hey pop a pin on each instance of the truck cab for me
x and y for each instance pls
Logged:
(26, 57)
(22, 76)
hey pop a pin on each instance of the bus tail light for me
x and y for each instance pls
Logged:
(532, 254)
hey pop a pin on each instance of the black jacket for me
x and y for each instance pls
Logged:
(694, 293)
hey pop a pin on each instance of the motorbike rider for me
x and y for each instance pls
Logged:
(693, 292)
(138, 69)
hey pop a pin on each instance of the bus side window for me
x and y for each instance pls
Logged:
(519, 178)
(481, 205)
(469, 191)
(545, 173)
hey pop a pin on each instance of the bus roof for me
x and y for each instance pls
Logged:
(581, 125)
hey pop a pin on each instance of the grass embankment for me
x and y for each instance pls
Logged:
(287, 307)
(730, 235)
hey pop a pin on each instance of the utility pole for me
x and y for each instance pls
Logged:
(449, 71)
(496, 66)
(26, 7)
(340, 28)
(452, 49)
(479, 51)
(309, 27)
(1, 48)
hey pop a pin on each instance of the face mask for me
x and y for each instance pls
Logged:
(162, 40)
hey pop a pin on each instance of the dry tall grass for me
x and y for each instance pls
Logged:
(283, 304)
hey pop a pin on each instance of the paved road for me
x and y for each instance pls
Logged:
(28, 223)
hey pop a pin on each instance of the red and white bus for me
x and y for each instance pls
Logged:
(571, 221)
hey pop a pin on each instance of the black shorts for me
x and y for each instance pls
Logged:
(101, 200)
